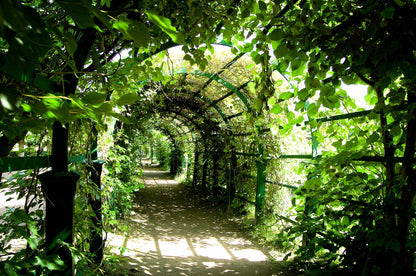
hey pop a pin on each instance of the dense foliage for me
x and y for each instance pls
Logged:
(62, 66)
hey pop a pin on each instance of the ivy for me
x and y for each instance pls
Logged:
(53, 55)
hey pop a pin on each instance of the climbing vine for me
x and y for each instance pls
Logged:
(73, 65)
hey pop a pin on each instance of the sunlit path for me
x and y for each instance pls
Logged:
(170, 234)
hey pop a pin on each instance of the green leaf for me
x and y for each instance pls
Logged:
(281, 50)
(105, 108)
(345, 221)
(373, 138)
(123, 25)
(252, 87)
(312, 110)
(129, 98)
(94, 98)
(409, 70)
(276, 35)
(394, 244)
(257, 104)
(51, 262)
(104, 18)
(140, 34)
(166, 25)
(106, 2)
(388, 13)
(8, 269)
(285, 95)
(303, 94)
(120, 117)
(79, 12)
(245, 13)
(400, 3)
(262, 6)
(276, 109)
(71, 43)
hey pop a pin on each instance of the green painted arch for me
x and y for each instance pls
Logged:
(225, 83)
(215, 77)
(175, 131)
(207, 100)
(181, 126)
(214, 105)
(185, 120)
(172, 128)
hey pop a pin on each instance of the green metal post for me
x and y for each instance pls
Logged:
(204, 169)
(151, 154)
(231, 185)
(196, 167)
(215, 159)
(261, 182)
(183, 160)
(96, 242)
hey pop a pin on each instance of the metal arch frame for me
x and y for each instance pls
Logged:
(187, 118)
(180, 126)
(207, 100)
(171, 44)
(223, 82)
(181, 106)
(215, 77)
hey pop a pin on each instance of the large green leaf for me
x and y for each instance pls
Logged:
(79, 12)
(166, 25)
(94, 98)
(277, 109)
(51, 262)
(285, 95)
(139, 33)
(276, 35)
(129, 98)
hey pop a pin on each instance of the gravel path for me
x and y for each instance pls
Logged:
(172, 233)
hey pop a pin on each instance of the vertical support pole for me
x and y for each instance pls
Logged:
(188, 162)
(151, 154)
(59, 189)
(182, 160)
(21, 148)
(204, 169)
(231, 177)
(59, 156)
(175, 161)
(215, 159)
(261, 164)
(196, 166)
(96, 242)
(94, 143)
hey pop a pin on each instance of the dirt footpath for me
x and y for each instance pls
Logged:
(171, 233)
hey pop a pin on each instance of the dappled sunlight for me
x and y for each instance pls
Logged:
(170, 234)
(210, 247)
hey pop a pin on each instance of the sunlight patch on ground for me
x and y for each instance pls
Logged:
(175, 248)
(209, 248)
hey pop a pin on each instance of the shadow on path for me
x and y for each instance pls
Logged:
(172, 233)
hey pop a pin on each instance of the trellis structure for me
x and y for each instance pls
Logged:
(53, 56)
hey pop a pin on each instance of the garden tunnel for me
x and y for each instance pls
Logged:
(323, 176)
(193, 107)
